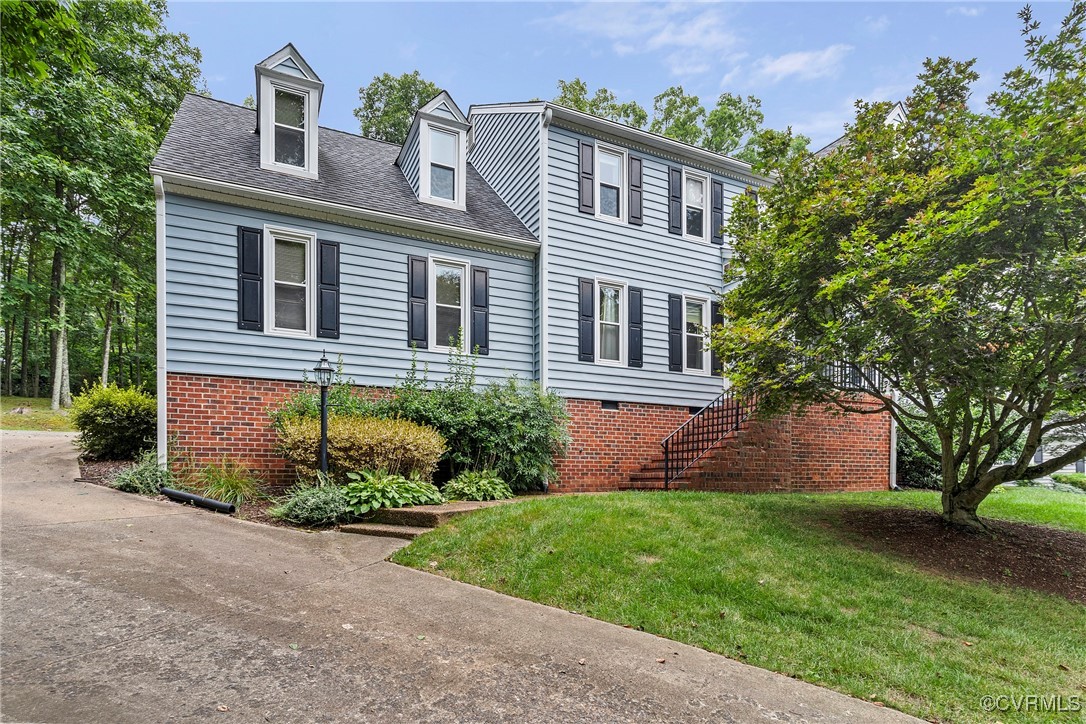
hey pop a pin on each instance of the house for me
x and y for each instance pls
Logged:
(568, 249)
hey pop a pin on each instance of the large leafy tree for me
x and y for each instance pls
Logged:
(388, 105)
(943, 256)
(603, 103)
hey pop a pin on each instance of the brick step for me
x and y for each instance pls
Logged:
(429, 516)
(406, 532)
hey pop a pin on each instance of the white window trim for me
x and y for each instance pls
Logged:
(425, 126)
(271, 233)
(623, 325)
(706, 205)
(706, 361)
(431, 302)
(623, 186)
(268, 86)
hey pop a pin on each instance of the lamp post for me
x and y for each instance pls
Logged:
(323, 371)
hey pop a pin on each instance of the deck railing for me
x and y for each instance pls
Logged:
(702, 432)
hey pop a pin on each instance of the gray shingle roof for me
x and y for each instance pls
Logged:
(214, 140)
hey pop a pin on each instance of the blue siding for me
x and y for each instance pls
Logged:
(506, 154)
(201, 302)
(410, 166)
(580, 245)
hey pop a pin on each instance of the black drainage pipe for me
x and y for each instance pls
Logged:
(183, 497)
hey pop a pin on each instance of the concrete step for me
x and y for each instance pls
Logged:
(407, 532)
(429, 516)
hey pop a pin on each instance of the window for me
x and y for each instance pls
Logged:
(694, 193)
(609, 186)
(290, 128)
(695, 325)
(441, 165)
(290, 262)
(610, 323)
(449, 287)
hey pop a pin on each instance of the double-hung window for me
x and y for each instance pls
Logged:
(448, 281)
(610, 183)
(290, 128)
(695, 187)
(444, 149)
(610, 322)
(695, 326)
(290, 263)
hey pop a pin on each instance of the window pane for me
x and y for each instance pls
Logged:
(695, 359)
(289, 307)
(442, 182)
(289, 109)
(695, 192)
(609, 304)
(289, 146)
(694, 319)
(609, 201)
(609, 342)
(695, 222)
(447, 327)
(448, 284)
(443, 148)
(290, 261)
(610, 169)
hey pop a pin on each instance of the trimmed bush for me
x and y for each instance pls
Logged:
(143, 478)
(483, 485)
(369, 491)
(1077, 480)
(114, 423)
(313, 506)
(361, 443)
(229, 481)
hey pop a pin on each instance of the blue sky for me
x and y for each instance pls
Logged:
(808, 62)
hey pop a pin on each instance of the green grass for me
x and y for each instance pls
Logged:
(765, 579)
(40, 418)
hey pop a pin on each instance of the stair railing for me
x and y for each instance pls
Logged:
(698, 435)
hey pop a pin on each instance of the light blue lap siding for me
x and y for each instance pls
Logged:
(411, 161)
(506, 154)
(201, 302)
(648, 257)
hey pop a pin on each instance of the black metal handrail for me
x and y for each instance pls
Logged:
(702, 432)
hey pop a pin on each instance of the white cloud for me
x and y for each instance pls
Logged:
(803, 64)
(967, 11)
(875, 26)
(689, 39)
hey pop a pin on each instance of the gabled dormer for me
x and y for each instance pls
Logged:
(434, 156)
(288, 98)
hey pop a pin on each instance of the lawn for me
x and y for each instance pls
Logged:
(770, 580)
(39, 418)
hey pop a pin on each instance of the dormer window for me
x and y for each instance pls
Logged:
(288, 98)
(441, 162)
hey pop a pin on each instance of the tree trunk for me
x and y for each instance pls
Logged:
(24, 347)
(136, 341)
(107, 337)
(62, 394)
(9, 352)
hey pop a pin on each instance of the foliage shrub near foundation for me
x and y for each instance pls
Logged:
(314, 505)
(114, 423)
(483, 485)
(370, 490)
(228, 480)
(143, 478)
(1077, 480)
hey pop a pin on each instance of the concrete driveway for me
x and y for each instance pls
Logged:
(122, 609)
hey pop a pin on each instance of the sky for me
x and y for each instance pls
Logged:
(807, 62)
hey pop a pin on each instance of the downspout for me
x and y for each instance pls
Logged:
(544, 272)
(160, 316)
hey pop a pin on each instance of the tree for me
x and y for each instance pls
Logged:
(732, 121)
(679, 116)
(945, 256)
(37, 36)
(604, 104)
(389, 103)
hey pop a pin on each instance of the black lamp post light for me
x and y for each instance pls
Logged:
(323, 371)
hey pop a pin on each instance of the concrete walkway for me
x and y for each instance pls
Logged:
(122, 609)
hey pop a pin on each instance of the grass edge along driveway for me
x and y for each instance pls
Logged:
(767, 580)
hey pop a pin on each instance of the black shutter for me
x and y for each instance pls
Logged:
(637, 193)
(327, 289)
(416, 301)
(250, 279)
(586, 178)
(717, 318)
(480, 310)
(674, 333)
(636, 357)
(586, 320)
(675, 200)
(718, 212)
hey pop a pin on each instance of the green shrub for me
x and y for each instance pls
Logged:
(361, 443)
(313, 505)
(228, 481)
(483, 485)
(144, 478)
(1077, 480)
(914, 468)
(114, 423)
(369, 491)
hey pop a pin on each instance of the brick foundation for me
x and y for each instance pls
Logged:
(208, 417)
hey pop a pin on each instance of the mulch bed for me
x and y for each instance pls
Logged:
(101, 472)
(1036, 557)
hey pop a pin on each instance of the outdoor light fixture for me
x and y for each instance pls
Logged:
(323, 371)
